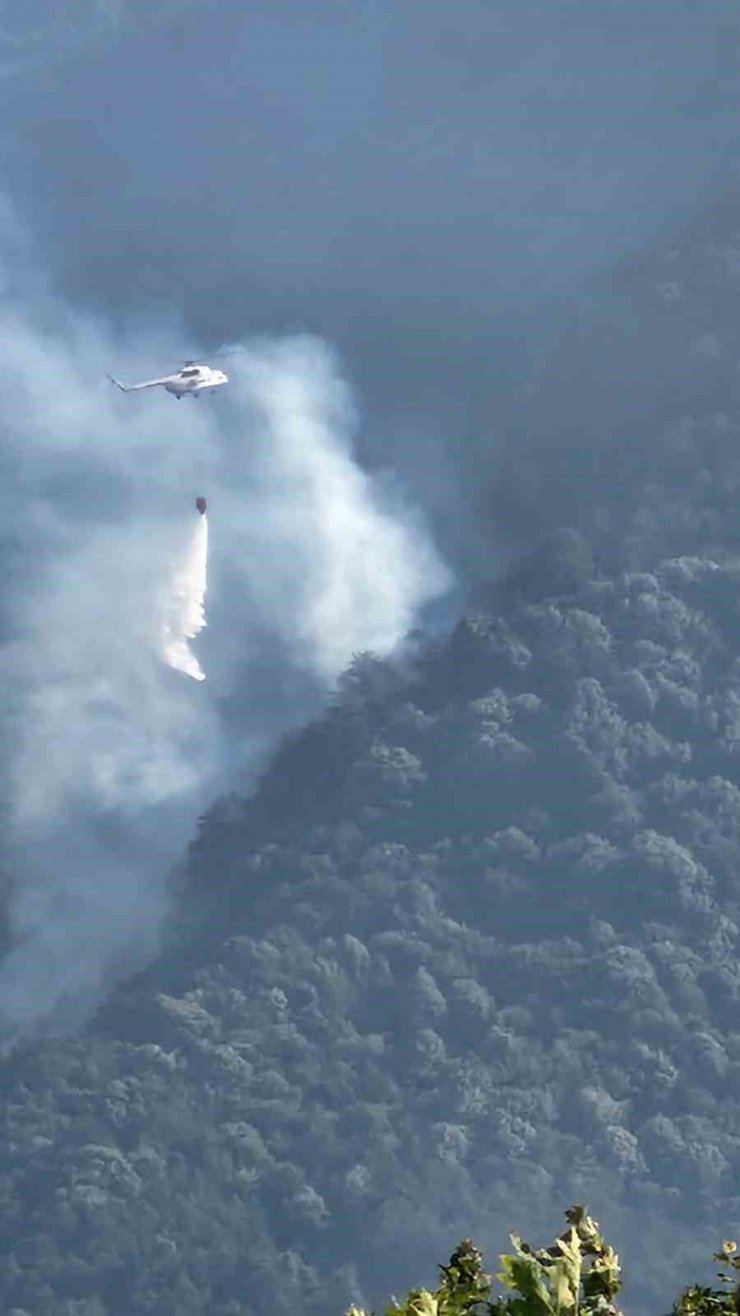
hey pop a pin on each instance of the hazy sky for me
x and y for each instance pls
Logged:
(434, 193)
(430, 186)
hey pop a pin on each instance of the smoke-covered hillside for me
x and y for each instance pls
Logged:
(473, 943)
(469, 953)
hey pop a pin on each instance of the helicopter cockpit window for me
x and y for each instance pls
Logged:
(185, 374)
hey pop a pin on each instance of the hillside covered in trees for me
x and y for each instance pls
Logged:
(473, 943)
(469, 951)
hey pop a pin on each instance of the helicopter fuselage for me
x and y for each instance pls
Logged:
(193, 379)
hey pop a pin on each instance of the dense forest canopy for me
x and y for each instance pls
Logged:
(471, 949)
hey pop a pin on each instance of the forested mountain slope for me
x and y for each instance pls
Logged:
(474, 942)
(469, 952)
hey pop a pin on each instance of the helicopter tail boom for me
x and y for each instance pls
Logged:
(132, 388)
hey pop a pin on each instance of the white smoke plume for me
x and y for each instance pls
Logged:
(184, 605)
(108, 754)
(350, 564)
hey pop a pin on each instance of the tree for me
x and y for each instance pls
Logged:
(579, 1274)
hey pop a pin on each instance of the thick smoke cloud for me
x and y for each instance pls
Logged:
(110, 752)
(336, 535)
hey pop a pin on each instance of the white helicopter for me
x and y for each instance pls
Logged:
(192, 379)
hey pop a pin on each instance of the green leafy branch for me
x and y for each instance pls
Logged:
(578, 1276)
(701, 1301)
